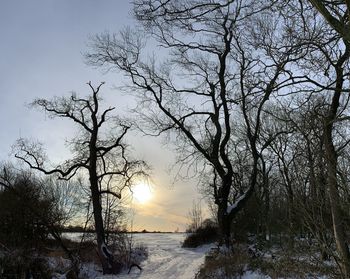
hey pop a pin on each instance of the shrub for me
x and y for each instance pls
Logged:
(224, 264)
(125, 250)
(206, 233)
(26, 213)
(282, 263)
(19, 265)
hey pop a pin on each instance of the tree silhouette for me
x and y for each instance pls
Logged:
(99, 153)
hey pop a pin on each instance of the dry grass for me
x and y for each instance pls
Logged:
(86, 250)
(289, 267)
(122, 248)
(282, 264)
(228, 264)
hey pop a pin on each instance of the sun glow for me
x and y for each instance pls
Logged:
(142, 192)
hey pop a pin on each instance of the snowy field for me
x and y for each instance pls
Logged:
(166, 258)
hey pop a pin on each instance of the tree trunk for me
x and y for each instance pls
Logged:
(226, 216)
(338, 229)
(266, 199)
(106, 257)
(331, 162)
(103, 253)
(224, 225)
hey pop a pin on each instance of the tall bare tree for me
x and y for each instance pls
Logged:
(331, 160)
(217, 67)
(98, 152)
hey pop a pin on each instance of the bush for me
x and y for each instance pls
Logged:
(125, 250)
(19, 265)
(27, 216)
(224, 264)
(206, 233)
(26, 213)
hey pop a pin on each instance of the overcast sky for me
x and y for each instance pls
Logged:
(41, 48)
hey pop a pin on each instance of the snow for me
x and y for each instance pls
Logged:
(233, 206)
(254, 275)
(248, 274)
(167, 259)
(105, 250)
(77, 236)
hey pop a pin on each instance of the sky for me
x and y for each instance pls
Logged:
(41, 55)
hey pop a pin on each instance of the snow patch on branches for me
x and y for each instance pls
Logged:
(233, 206)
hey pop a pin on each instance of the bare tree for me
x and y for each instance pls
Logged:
(34, 211)
(337, 14)
(327, 69)
(331, 160)
(224, 62)
(195, 216)
(98, 152)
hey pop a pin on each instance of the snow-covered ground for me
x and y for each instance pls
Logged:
(166, 260)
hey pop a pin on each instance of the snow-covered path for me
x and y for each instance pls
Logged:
(167, 260)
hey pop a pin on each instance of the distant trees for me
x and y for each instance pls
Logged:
(98, 151)
(195, 216)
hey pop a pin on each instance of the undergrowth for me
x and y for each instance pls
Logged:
(275, 262)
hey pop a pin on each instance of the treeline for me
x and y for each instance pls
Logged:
(292, 195)
(80, 229)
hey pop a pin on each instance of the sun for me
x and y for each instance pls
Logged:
(142, 192)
